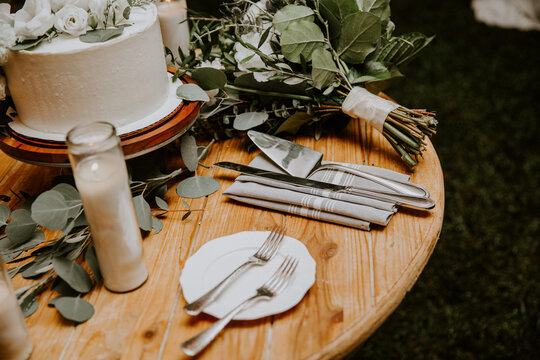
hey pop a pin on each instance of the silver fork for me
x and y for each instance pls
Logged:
(265, 252)
(272, 287)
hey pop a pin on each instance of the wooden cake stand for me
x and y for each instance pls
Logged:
(139, 142)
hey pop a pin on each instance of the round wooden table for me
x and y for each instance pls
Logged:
(361, 276)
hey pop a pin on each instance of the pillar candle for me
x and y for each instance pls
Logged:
(101, 177)
(174, 26)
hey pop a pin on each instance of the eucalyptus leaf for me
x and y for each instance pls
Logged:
(186, 204)
(21, 228)
(359, 35)
(157, 225)
(37, 238)
(300, 38)
(10, 255)
(249, 120)
(41, 265)
(72, 197)
(52, 301)
(51, 210)
(28, 44)
(72, 273)
(162, 204)
(144, 212)
(63, 287)
(5, 212)
(324, 68)
(29, 305)
(74, 308)
(209, 78)
(197, 186)
(293, 123)
(91, 259)
(191, 92)
(186, 215)
(188, 150)
(101, 35)
(334, 11)
(292, 13)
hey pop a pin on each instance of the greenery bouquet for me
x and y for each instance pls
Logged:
(280, 65)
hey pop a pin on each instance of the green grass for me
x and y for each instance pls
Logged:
(479, 295)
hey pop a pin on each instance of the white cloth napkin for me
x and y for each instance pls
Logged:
(345, 209)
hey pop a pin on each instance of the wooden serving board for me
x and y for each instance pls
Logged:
(135, 143)
(361, 276)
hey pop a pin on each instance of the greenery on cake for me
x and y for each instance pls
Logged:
(282, 65)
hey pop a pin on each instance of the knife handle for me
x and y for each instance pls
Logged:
(409, 189)
(403, 200)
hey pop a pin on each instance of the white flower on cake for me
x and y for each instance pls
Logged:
(7, 39)
(72, 20)
(5, 16)
(33, 20)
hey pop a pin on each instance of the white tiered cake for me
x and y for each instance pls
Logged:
(65, 82)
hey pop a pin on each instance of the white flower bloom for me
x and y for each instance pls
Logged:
(212, 96)
(2, 85)
(216, 64)
(34, 19)
(97, 12)
(58, 4)
(5, 16)
(253, 59)
(72, 20)
(117, 8)
(255, 10)
(7, 35)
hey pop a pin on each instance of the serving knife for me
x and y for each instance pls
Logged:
(306, 184)
(300, 161)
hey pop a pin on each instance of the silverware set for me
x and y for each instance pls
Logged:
(270, 289)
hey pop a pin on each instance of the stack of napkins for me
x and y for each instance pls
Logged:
(340, 208)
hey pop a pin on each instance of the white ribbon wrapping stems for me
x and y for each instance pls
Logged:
(360, 103)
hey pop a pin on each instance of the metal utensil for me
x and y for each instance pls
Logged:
(300, 161)
(265, 252)
(271, 288)
(307, 186)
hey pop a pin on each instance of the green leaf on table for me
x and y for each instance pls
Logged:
(29, 305)
(334, 11)
(299, 39)
(21, 228)
(63, 288)
(197, 186)
(249, 120)
(51, 210)
(359, 35)
(91, 259)
(191, 92)
(8, 255)
(324, 68)
(72, 197)
(157, 225)
(188, 150)
(41, 265)
(101, 35)
(5, 212)
(51, 302)
(292, 13)
(144, 212)
(74, 308)
(209, 78)
(403, 48)
(72, 273)
(162, 204)
(293, 123)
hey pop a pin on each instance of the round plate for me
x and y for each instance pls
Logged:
(219, 257)
(39, 151)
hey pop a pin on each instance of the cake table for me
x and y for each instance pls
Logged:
(361, 276)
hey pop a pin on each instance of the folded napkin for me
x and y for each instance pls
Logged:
(341, 208)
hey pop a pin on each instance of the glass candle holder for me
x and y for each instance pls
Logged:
(101, 177)
(174, 25)
(15, 342)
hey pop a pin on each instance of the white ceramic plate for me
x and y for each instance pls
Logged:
(219, 257)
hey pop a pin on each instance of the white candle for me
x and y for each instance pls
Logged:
(174, 26)
(15, 343)
(103, 184)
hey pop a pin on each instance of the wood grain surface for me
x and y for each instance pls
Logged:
(361, 276)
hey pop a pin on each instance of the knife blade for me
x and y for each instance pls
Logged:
(399, 199)
(301, 161)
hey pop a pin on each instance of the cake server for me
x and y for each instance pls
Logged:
(300, 161)
(306, 185)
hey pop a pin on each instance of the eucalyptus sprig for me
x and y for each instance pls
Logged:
(55, 263)
(285, 64)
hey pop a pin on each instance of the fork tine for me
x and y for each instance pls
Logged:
(268, 240)
(286, 276)
(272, 248)
(281, 274)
